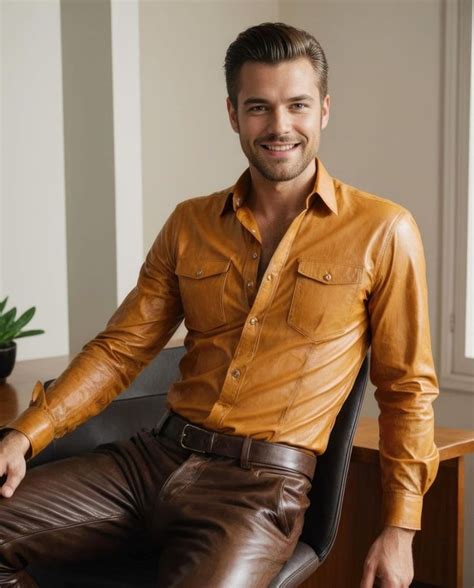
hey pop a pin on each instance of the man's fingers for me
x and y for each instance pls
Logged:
(6, 491)
(3, 473)
(369, 576)
(15, 475)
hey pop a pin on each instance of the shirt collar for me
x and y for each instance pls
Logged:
(323, 187)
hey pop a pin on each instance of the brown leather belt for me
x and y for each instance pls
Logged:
(249, 451)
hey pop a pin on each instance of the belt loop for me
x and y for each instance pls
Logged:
(161, 422)
(244, 455)
(212, 439)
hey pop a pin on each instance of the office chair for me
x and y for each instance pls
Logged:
(140, 407)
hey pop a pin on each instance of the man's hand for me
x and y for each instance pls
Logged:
(13, 448)
(390, 559)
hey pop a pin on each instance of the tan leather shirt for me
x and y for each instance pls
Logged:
(277, 361)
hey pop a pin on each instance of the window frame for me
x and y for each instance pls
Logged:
(457, 370)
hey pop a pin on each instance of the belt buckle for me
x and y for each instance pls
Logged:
(183, 435)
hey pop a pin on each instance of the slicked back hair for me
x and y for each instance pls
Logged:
(273, 42)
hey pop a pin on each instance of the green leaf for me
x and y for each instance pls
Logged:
(24, 319)
(9, 317)
(7, 335)
(11, 329)
(29, 333)
(2, 304)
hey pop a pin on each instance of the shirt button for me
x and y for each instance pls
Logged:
(253, 320)
(327, 277)
(249, 284)
(199, 273)
(254, 255)
(235, 373)
(270, 277)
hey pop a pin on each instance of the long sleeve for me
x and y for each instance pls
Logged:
(403, 372)
(136, 332)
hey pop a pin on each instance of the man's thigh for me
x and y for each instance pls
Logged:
(84, 507)
(228, 527)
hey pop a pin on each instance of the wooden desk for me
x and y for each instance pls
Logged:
(438, 548)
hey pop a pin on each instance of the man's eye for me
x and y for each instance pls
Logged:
(258, 108)
(299, 106)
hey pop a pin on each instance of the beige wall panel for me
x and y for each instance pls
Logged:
(89, 167)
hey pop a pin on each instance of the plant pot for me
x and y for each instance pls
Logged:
(7, 360)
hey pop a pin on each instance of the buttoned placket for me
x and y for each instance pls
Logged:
(247, 346)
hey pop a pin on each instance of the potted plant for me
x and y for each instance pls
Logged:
(12, 328)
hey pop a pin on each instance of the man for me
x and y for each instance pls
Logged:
(284, 281)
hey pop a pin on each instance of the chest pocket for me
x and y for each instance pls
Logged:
(201, 285)
(324, 298)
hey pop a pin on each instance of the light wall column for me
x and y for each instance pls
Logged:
(89, 166)
(127, 142)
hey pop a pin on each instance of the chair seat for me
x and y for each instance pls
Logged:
(300, 566)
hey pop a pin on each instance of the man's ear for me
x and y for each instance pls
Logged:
(234, 121)
(325, 107)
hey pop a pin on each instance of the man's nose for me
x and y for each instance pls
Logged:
(280, 122)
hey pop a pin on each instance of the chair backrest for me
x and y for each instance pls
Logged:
(327, 494)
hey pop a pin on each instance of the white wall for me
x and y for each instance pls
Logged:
(32, 230)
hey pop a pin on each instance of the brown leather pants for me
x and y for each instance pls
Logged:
(209, 522)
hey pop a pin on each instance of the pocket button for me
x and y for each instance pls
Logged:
(327, 277)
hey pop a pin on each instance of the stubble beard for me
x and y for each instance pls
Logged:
(279, 170)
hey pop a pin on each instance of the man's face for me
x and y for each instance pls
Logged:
(279, 117)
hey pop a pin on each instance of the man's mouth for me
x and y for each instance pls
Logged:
(281, 147)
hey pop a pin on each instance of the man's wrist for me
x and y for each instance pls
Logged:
(17, 438)
(399, 531)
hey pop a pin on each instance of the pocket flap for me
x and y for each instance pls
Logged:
(330, 273)
(201, 268)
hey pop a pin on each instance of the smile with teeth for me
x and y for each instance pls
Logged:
(287, 147)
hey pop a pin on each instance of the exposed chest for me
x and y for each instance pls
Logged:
(271, 233)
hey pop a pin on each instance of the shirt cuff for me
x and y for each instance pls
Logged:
(35, 422)
(402, 510)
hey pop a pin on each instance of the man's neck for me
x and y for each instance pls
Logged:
(271, 200)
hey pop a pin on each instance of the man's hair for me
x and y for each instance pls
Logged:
(273, 42)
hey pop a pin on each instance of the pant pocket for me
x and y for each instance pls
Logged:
(293, 504)
(290, 500)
